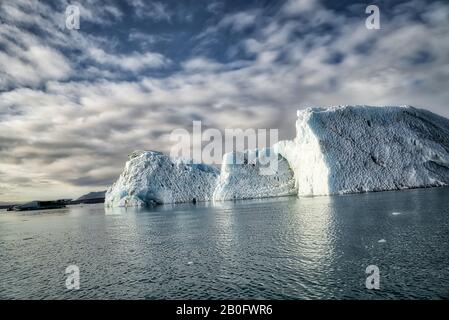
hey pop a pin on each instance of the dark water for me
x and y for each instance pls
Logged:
(283, 248)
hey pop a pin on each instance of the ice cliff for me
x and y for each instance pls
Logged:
(344, 149)
(253, 174)
(349, 149)
(151, 177)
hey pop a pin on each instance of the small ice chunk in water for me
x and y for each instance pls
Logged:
(396, 213)
(382, 241)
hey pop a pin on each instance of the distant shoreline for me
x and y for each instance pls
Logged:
(89, 198)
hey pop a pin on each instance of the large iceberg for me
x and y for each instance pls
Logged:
(337, 150)
(254, 174)
(349, 149)
(151, 177)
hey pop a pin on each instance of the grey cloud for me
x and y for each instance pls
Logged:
(92, 181)
(75, 135)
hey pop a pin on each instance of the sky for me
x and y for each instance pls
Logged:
(75, 103)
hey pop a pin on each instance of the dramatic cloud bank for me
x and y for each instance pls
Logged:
(74, 103)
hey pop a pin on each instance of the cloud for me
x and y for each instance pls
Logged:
(239, 21)
(146, 39)
(26, 62)
(132, 62)
(74, 104)
(37, 47)
(33, 66)
(215, 7)
(43, 14)
(295, 7)
(157, 11)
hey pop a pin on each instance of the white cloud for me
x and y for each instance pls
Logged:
(147, 39)
(33, 66)
(295, 7)
(157, 11)
(132, 62)
(74, 135)
(240, 20)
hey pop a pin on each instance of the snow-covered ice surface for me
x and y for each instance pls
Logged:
(337, 150)
(254, 174)
(350, 149)
(151, 177)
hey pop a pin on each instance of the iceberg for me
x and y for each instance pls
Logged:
(151, 177)
(337, 150)
(351, 149)
(248, 175)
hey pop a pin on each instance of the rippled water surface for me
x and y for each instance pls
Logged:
(280, 248)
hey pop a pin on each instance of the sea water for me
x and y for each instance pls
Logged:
(278, 248)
